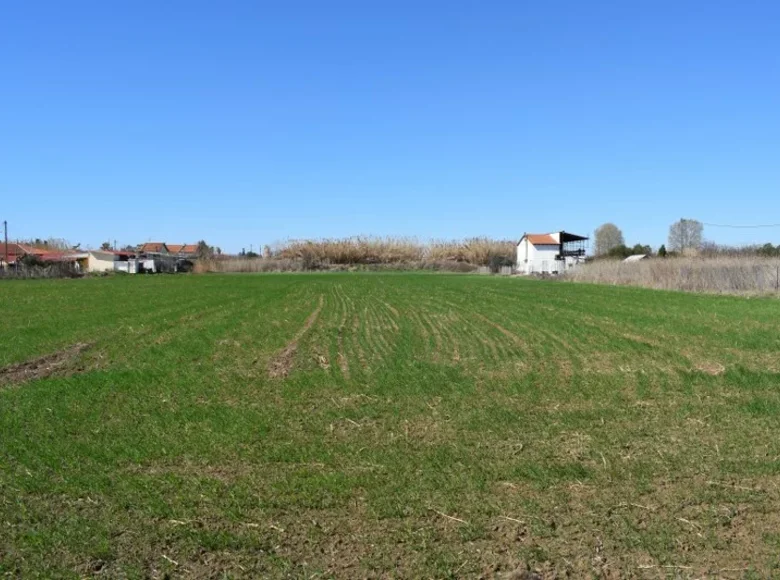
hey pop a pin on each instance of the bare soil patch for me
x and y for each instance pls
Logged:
(281, 364)
(42, 367)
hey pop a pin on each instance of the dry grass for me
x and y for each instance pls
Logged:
(721, 275)
(258, 265)
(369, 253)
(389, 250)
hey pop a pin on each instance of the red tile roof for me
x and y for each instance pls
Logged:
(153, 247)
(190, 249)
(174, 248)
(541, 239)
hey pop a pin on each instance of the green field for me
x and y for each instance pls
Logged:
(393, 425)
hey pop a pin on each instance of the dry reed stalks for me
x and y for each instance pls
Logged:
(722, 275)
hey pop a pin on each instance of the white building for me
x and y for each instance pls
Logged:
(552, 253)
(110, 260)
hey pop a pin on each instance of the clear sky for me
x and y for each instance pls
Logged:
(252, 122)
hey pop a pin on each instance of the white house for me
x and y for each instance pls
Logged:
(552, 253)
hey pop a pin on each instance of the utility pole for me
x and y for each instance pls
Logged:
(5, 231)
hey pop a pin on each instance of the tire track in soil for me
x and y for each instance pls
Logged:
(491, 349)
(383, 329)
(56, 363)
(357, 347)
(375, 347)
(445, 341)
(341, 354)
(430, 332)
(506, 332)
(449, 337)
(563, 355)
(413, 316)
(488, 350)
(281, 364)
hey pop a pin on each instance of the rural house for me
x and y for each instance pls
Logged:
(14, 252)
(153, 248)
(552, 253)
(179, 250)
(75, 259)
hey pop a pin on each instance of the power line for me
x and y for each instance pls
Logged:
(741, 226)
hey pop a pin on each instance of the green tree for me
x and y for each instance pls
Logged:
(621, 251)
(662, 251)
(640, 249)
(105, 246)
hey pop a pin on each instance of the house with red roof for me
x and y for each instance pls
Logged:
(17, 252)
(153, 248)
(552, 253)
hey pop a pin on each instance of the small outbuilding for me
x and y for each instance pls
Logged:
(109, 260)
(636, 258)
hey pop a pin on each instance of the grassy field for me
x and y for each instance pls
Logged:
(385, 425)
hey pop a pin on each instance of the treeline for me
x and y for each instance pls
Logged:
(767, 250)
(685, 238)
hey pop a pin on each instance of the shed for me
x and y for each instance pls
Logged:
(636, 258)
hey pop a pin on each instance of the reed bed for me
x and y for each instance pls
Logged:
(719, 275)
(370, 252)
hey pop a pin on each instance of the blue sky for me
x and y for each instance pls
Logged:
(252, 122)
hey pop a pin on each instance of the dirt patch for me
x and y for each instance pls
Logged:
(281, 364)
(710, 368)
(56, 363)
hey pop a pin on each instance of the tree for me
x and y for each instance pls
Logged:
(620, 251)
(662, 251)
(640, 249)
(204, 251)
(105, 246)
(768, 250)
(685, 235)
(607, 237)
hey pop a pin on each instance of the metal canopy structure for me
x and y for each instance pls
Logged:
(572, 245)
(567, 237)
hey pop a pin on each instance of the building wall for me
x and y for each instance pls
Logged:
(537, 259)
(100, 262)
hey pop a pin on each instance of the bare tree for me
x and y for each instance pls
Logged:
(607, 236)
(685, 235)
